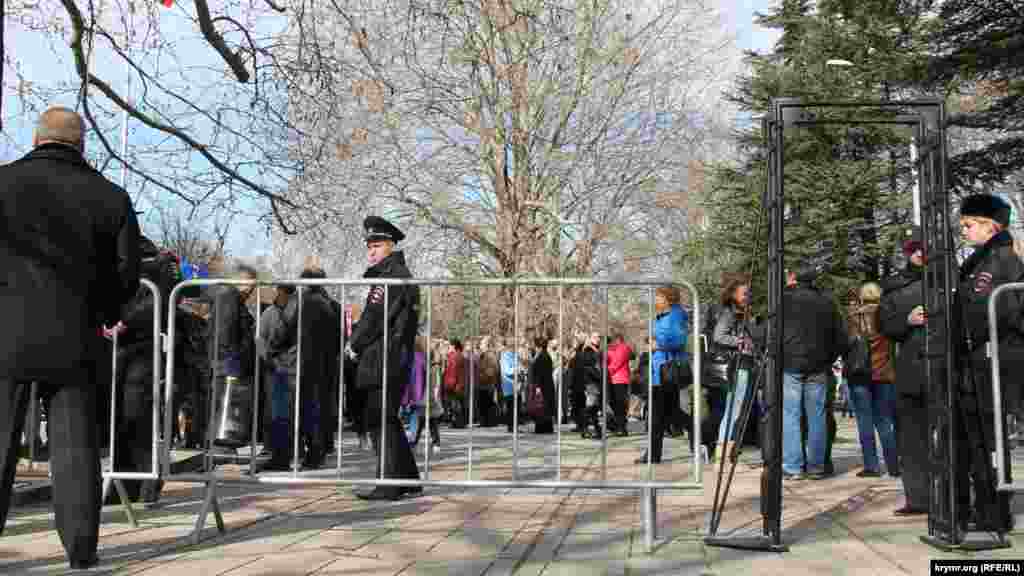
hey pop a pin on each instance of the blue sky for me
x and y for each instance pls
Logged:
(44, 63)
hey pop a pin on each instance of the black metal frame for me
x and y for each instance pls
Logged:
(928, 119)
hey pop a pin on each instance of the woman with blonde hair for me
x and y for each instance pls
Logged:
(871, 375)
(984, 220)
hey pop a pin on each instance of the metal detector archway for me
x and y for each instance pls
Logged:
(927, 119)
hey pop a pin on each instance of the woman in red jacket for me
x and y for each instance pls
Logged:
(619, 354)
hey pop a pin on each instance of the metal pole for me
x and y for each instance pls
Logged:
(515, 384)
(650, 383)
(604, 391)
(157, 349)
(113, 404)
(341, 382)
(916, 186)
(561, 369)
(698, 464)
(649, 514)
(298, 387)
(256, 391)
(33, 423)
(427, 447)
(384, 390)
(471, 398)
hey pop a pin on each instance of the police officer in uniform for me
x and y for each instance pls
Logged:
(983, 223)
(367, 347)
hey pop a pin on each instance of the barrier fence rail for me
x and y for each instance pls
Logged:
(211, 479)
(997, 390)
(111, 477)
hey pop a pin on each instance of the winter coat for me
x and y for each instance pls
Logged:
(69, 245)
(403, 318)
(989, 267)
(619, 354)
(901, 295)
(814, 333)
(670, 334)
(865, 321)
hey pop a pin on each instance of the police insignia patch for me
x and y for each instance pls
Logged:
(983, 283)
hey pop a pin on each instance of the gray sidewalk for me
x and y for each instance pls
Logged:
(841, 525)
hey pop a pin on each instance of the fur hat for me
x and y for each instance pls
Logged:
(986, 206)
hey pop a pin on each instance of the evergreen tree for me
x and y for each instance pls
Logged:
(978, 49)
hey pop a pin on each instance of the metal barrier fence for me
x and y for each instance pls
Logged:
(997, 390)
(111, 477)
(211, 479)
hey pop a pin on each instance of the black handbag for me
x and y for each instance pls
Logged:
(718, 365)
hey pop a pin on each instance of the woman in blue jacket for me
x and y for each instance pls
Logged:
(671, 328)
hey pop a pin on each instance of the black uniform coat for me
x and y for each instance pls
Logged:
(367, 336)
(986, 269)
(69, 254)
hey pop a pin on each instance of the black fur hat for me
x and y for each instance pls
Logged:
(986, 206)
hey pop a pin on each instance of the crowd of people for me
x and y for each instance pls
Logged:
(73, 286)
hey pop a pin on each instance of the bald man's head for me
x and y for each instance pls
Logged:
(60, 125)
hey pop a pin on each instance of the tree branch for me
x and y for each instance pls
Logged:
(232, 59)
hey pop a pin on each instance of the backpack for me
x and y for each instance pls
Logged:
(857, 362)
(858, 359)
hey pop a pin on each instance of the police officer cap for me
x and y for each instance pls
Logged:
(378, 228)
(986, 206)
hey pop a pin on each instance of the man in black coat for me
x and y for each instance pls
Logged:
(814, 335)
(70, 261)
(903, 320)
(367, 345)
(318, 359)
(231, 346)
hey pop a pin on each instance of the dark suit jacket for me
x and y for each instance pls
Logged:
(69, 260)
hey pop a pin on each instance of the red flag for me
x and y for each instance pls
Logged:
(168, 3)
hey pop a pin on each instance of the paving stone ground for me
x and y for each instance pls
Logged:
(842, 525)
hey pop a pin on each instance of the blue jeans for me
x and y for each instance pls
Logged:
(803, 392)
(874, 405)
(733, 405)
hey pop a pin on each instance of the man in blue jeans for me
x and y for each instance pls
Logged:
(814, 335)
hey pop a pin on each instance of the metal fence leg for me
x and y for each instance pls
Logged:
(649, 517)
(209, 505)
(125, 502)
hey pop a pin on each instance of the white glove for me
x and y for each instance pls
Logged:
(350, 353)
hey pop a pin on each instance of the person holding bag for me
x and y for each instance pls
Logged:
(870, 373)
(670, 329)
(733, 344)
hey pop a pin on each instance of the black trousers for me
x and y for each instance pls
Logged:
(976, 429)
(399, 461)
(620, 397)
(134, 427)
(657, 411)
(485, 403)
(74, 456)
(912, 441)
(579, 404)
(509, 410)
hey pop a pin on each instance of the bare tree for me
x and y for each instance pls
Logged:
(540, 137)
